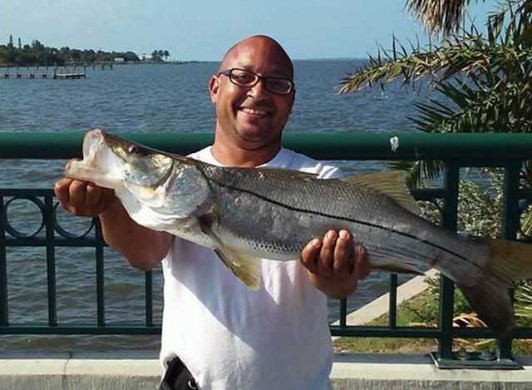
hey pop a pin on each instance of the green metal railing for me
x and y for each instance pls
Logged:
(507, 151)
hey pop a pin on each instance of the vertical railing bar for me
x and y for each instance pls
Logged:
(100, 290)
(449, 220)
(50, 260)
(343, 312)
(149, 298)
(392, 304)
(510, 225)
(4, 303)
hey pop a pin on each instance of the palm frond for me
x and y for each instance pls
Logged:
(420, 173)
(523, 297)
(508, 45)
(479, 83)
(439, 15)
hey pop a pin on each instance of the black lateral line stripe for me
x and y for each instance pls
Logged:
(369, 224)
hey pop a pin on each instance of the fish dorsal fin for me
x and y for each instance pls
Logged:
(390, 183)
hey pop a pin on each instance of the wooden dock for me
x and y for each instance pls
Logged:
(69, 76)
(55, 75)
(67, 72)
(24, 75)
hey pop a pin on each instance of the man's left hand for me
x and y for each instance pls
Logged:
(335, 264)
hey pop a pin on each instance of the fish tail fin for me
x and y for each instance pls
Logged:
(508, 262)
(491, 300)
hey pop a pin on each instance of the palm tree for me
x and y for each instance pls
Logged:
(482, 83)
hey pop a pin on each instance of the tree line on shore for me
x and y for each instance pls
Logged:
(37, 54)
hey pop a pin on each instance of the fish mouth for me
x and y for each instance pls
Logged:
(96, 142)
(97, 164)
(111, 161)
(91, 143)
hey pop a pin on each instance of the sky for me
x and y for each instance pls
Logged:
(203, 30)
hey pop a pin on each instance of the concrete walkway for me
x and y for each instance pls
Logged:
(103, 372)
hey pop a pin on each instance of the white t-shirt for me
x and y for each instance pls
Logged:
(231, 337)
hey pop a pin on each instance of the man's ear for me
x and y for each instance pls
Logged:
(292, 99)
(214, 87)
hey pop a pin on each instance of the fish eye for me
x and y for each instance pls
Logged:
(133, 149)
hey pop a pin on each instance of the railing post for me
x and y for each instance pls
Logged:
(4, 307)
(148, 286)
(510, 225)
(449, 220)
(50, 260)
(100, 291)
(392, 304)
(343, 312)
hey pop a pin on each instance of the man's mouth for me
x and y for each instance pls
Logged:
(255, 111)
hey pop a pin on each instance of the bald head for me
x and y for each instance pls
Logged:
(257, 50)
(250, 117)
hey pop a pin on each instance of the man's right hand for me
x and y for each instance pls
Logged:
(144, 248)
(84, 198)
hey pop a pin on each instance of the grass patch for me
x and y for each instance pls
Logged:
(405, 317)
(420, 311)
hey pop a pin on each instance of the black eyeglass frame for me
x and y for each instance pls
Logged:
(229, 72)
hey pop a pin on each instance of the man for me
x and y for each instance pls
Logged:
(228, 336)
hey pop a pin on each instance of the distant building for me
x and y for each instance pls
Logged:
(145, 57)
(119, 59)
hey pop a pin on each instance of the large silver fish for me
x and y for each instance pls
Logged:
(248, 214)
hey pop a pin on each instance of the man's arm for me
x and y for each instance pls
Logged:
(143, 248)
(335, 264)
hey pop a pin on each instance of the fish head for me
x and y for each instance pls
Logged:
(140, 165)
(112, 162)
(142, 177)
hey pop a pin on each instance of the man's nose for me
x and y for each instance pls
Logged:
(259, 89)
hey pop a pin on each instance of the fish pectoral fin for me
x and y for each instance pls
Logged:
(390, 183)
(245, 268)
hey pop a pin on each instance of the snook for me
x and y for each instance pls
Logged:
(248, 214)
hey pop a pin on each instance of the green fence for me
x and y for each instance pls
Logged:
(507, 151)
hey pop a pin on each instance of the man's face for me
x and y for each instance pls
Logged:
(252, 116)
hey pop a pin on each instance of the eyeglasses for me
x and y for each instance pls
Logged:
(248, 79)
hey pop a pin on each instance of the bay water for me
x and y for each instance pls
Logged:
(166, 98)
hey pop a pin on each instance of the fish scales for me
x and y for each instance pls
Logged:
(288, 219)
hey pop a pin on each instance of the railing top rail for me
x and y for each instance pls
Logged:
(326, 146)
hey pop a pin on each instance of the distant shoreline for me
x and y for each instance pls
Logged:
(167, 63)
(107, 64)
